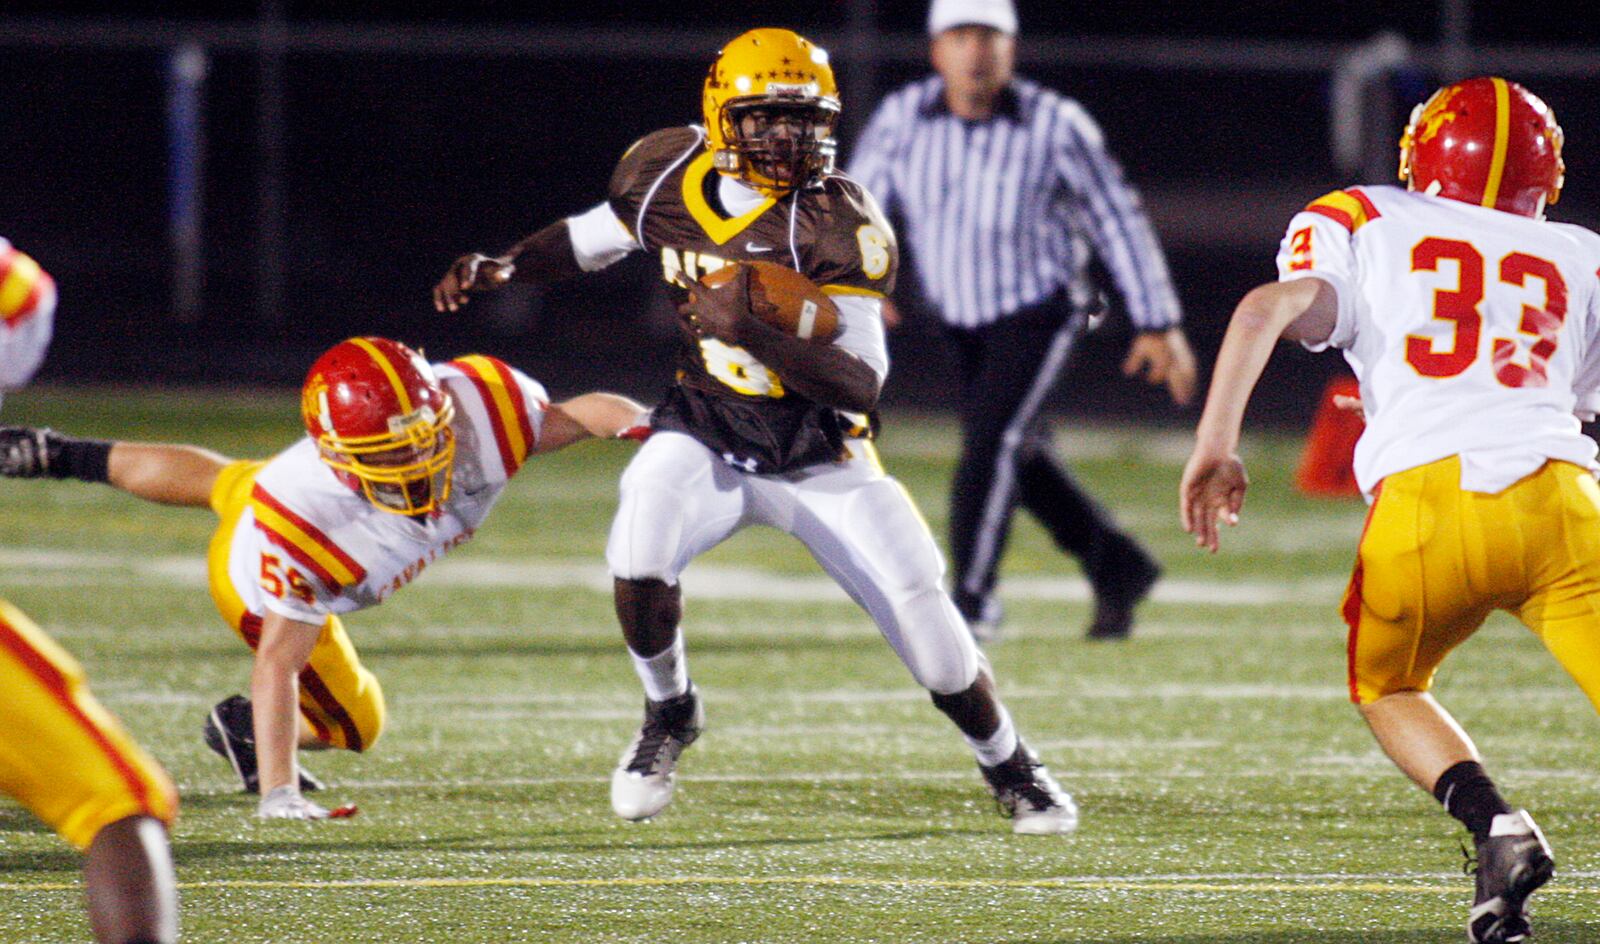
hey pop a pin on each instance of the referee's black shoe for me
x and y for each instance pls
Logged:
(230, 732)
(1126, 578)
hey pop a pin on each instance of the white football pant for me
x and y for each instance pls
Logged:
(680, 500)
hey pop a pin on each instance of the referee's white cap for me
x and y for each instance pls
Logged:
(947, 14)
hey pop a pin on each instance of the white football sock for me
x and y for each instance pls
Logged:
(665, 674)
(998, 746)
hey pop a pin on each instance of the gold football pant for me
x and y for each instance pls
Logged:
(61, 753)
(1436, 560)
(339, 697)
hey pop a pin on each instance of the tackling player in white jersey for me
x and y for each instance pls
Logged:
(1474, 326)
(402, 463)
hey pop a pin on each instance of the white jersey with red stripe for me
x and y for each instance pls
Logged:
(27, 312)
(1473, 331)
(308, 545)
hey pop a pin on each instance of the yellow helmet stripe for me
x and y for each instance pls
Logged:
(400, 390)
(17, 285)
(1502, 133)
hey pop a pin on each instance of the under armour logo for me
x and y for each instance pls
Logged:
(752, 247)
(749, 465)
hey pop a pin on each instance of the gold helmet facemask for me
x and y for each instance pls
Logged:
(770, 107)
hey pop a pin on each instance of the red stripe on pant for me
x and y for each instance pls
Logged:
(250, 627)
(61, 690)
(1352, 598)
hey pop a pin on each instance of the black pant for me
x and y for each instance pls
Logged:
(1007, 369)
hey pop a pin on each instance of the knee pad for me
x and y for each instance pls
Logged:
(934, 642)
(646, 534)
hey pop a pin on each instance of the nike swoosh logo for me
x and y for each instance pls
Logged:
(752, 247)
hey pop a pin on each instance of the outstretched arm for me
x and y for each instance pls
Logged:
(157, 472)
(544, 257)
(1214, 480)
(601, 415)
(170, 475)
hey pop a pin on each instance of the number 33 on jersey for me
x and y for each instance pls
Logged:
(1443, 306)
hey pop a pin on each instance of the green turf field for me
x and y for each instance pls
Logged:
(1228, 790)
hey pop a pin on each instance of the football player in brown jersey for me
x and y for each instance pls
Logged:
(762, 427)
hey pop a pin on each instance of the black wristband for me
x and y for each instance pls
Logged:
(87, 460)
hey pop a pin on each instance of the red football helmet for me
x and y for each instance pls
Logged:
(381, 420)
(1485, 141)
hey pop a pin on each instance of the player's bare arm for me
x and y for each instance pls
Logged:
(545, 256)
(1214, 480)
(159, 472)
(168, 474)
(597, 415)
(284, 650)
(822, 373)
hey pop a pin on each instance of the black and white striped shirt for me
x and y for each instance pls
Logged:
(1003, 213)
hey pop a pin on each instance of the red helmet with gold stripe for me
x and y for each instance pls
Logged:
(1485, 141)
(381, 421)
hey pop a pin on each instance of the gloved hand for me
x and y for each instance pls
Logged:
(24, 452)
(285, 802)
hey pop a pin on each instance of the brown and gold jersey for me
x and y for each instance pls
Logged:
(665, 191)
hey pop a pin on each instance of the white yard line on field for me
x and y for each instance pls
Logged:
(1427, 883)
(46, 567)
(1377, 770)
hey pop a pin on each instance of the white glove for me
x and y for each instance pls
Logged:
(285, 802)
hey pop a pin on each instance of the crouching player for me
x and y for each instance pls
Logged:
(401, 463)
(62, 755)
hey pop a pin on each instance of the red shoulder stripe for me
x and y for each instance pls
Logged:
(1366, 204)
(1334, 213)
(519, 402)
(505, 404)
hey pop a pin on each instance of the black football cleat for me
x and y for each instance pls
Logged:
(1029, 796)
(643, 783)
(230, 732)
(1511, 865)
(24, 452)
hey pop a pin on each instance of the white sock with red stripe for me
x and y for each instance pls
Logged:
(666, 674)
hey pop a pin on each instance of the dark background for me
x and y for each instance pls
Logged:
(397, 161)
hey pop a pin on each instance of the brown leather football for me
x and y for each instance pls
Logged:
(785, 299)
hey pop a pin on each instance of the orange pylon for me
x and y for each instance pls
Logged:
(1325, 466)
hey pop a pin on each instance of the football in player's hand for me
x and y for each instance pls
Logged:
(784, 299)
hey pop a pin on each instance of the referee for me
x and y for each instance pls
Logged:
(1005, 188)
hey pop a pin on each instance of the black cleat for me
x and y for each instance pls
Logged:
(24, 452)
(1029, 796)
(643, 783)
(230, 732)
(1116, 596)
(1511, 865)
